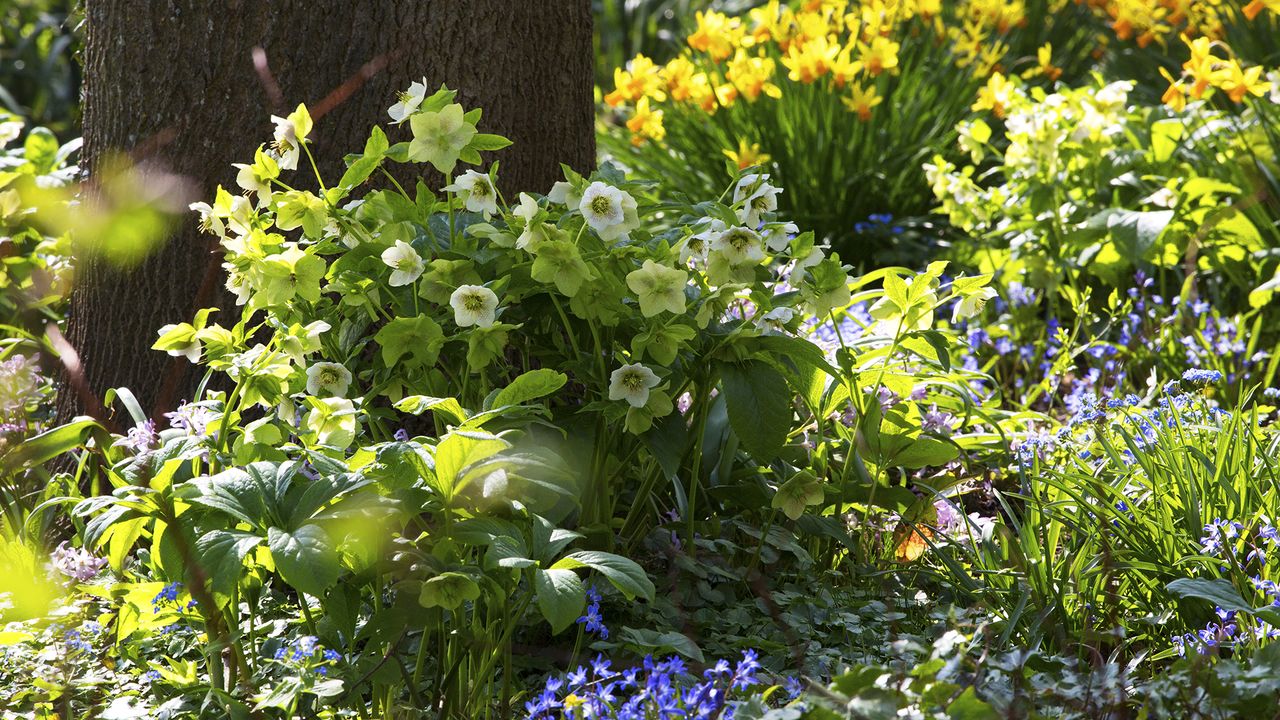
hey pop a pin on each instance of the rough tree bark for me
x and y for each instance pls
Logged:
(191, 84)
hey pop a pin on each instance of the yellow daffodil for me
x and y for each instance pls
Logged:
(641, 79)
(879, 56)
(862, 101)
(645, 124)
(746, 155)
(716, 34)
(1238, 83)
(1252, 10)
(811, 61)
(995, 96)
(751, 76)
(1176, 95)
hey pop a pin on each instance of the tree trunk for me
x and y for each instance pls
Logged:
(190, 84)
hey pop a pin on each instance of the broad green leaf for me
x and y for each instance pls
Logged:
(561, 596)
(925, 452)
(222, 554)
(623, 573)
(419, 337)
(305, 558)
(1217, 591)
(759, 404)
(801, 491)
(529, 386)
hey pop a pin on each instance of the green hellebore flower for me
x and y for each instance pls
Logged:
(559, 261)
(659, 288)
(289, 273)
(333, 420)
(439, 137)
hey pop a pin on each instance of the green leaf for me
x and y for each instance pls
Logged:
(529, 386)
(624, 574)
(970, 707)
(1216, 590)
(50, 444)
(1135, 233)
(925, 452)
(461, 452)
(485, 141)
(561, 596)
(759, 405)
(222, 554)
(448, 407)
(305, 558)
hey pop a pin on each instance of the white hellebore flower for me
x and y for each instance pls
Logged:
(1274, 77)
(328, 377)
(778, 235)
(477, 192)
(473, 305)
(757, 197)
(408, 102)
(405, 263)
(972, 304)
(285, 143)
(190, 351)
(563, 193)
(739, 246)
(249, 181)
(609, 211)
(527, 211)
(632, 383)
(695, 248)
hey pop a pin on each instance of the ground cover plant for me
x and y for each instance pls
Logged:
(897, 359)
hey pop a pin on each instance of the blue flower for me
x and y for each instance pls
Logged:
(167, 595)
(1197, 376)
(593, 621)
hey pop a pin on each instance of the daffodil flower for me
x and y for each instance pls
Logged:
(632, 383)
(405, 263)
(609, 211)
(659, 288)
(473, 305)
(477, 192)
(328, 378)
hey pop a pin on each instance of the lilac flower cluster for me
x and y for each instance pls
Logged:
(140, 438)
(19, 385)
(658, 689)
(78, 564)
(1230, 632)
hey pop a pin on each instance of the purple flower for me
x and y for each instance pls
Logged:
(76, 563)
(140, 438)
